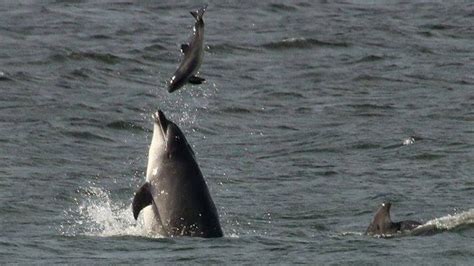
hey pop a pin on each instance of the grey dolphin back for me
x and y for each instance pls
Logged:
(408, 225)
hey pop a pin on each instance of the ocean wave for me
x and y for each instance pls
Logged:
(277, 7)
(4, 77)
(369, 58)
(439, 26)
(86, 135)
(106, 58)
(125, 125)
(369, 106)
(154, 48)
(286, 95)
(302, 43)
(228, 47)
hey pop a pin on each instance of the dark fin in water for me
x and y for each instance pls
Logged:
(184, 48)
(381, 223)
(199, 13)
(196, 80)
(141, 199)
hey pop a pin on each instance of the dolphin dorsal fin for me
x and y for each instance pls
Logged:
(141, 199)
(383, 214)
(381, 221)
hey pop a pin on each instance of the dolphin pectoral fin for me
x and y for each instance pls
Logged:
(194, 14)
(196, 80)
(141, 199)
(184, 48)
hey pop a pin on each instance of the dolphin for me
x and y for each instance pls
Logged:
(383, 225)
(193, 54)
(179, 200)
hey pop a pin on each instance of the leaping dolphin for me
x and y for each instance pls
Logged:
(193, 54)
(181, 204)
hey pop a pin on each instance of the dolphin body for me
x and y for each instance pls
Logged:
(175, 191)
(382, 223)
(193, 54)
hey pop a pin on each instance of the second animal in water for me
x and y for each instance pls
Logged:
(193, 54)
(382, 223)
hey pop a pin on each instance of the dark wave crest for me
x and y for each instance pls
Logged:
(302, 43)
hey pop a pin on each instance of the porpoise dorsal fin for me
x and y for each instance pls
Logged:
(184, 48)
(141, 199)
(199, 13)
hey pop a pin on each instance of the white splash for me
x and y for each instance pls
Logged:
(449, 222)
(349, 233)
(408, 141)
(99, 215)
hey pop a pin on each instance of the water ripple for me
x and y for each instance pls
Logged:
(302, 43)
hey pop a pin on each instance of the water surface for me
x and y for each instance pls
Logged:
(299, 129)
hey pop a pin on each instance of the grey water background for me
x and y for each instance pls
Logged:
(298, 128)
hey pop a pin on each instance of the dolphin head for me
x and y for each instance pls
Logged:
(170, 137)
(177, 81)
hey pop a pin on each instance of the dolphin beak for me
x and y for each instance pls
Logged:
(171, 84)
(161, 120)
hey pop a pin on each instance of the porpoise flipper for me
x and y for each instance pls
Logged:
(141, 199)
(196, 80)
